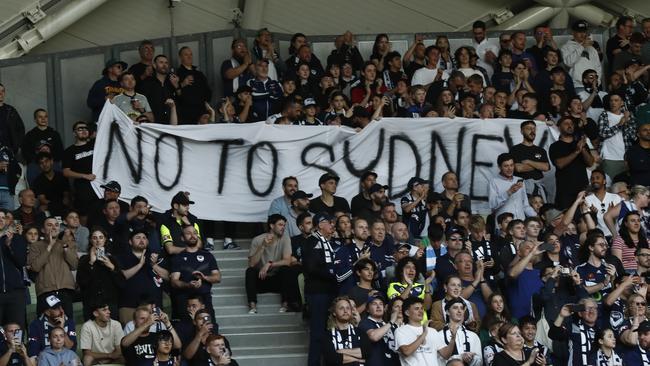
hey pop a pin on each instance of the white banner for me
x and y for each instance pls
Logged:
(233, 172)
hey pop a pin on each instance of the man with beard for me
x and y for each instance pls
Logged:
(597, 275)
(299, 205)
(531, 160)
(600, 200)
(161, 89)
(377, 193)
(282, 205)
(451, 198)
(389, 215)
(193, 272)
(362, 200)
(237, 70)
(268, 269)
(571, 158)
(592, 98)
(174, 220)
(78, 166)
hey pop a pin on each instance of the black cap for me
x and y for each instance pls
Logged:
(327, 176)
(112, 186)
(403, 245)
(137, 231)
(376, 188)
(643, 327)
(182, 198)
(367, 174)
(454, 301)
(455, 230)
(300, 194)
(112, 62)
(322, 216)
(632, 62)
(50, 302)
(580, 26)
(415, 181)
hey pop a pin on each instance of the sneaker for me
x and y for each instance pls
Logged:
(209, 244)
(252, 310)
(229, 244)
(283, 309)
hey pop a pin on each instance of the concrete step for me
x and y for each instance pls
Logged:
(227, 290)
(286, 359)
(221, 254)
(230, 263)
(276, 339)
(240, 299)
(243, 309)
(232, 280)
(236, 271)
(254, 329)
(269, 350)
(259, 319)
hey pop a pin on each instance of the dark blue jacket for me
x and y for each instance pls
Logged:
(265, 96)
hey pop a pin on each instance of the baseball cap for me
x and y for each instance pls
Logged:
(50, 302)
(322, 216)
(552, 214)
(580, 26)
(112, 62)
(137, 231)
(182, 198)
(454, 301)
(309, 102)
(377, 296)
(643, 115)
(455, 230)
(376, 188)
(112, 186)
(300, 194)
(415, 181)
(327, 176)
(643, 327)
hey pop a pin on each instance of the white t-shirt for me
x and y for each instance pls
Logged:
(602, 207)
(98, 339)
(466, 341)
(425, 355)
(425, 75)
(614, 146)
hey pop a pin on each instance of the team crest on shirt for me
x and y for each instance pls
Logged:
(538, 156)
(200, 258)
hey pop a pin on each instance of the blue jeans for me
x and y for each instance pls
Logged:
(318, 312)
(7, 200)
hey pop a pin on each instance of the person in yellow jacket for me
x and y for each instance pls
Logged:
(406, 272)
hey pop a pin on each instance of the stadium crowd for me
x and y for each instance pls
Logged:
(541, 280)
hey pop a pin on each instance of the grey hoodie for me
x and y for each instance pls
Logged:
(66, 357)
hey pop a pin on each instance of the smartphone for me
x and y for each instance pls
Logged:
(101, 252)
(576, 308)
(565, 271)
(206, 318)
(156, 310)
(546, 247)
(520, 180)
(18, 336)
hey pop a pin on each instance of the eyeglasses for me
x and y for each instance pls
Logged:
(640, 303)
(455, 239)
(643, 255)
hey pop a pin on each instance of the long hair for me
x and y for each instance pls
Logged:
(331, 318)
(491, 317)
(375, 46)
(624, 232)
(399, 268)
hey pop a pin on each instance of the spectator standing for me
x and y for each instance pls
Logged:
(99, 276)
(524, 279)
(575, 332)
(50, 186)
(194, 89)
(144, 68)
(571, 158)
(362, 200)
(100, 338)
(378, 333)
(54, 259)
(80, 232)
(300, 51)
(617, 132)
(133, 104)
(486, 49)
(143, 274)
(161, 90)
(531, 161)
(430, 75)
(10, 172)
(264, 47)
(78, 166)
(327, 201)
(414, 208)
(455, 340)
(42, 136)
(620, 41)
(415, 341)
(345, 51)
(600, 200)
(105, 88)
(13, 255)
(13, 129)
(265, 91)
(579, 54)
(452, 199)
(638, 154)
(506, 193)
(543, 42)
(344, 346)
(112, 191)
(193, 272)
(237, 70)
